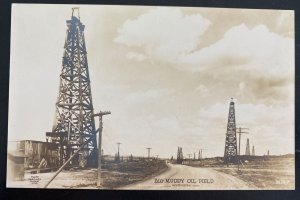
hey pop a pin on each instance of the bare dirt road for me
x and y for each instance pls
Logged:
(182, 177)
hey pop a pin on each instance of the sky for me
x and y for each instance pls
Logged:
(166, 73)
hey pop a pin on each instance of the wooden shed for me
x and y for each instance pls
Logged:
(36, 152)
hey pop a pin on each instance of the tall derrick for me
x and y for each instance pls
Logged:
(74, 118)
(179, 155)
(230, 153)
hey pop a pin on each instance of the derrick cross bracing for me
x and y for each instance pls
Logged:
(74, 118)
(230, 153)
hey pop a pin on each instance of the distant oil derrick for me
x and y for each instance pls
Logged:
(148, 149)
(74, 122)
(230, 153)
(179, 155)
(117, 155)
(247, 152)
(253, 151)
(200, 154)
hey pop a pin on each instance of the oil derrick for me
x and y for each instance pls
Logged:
(247, 153)
(74, 118)
(131, 158)
(201, 154)
(117, 157)
(230, 153)
(179, 155)
(253, 151)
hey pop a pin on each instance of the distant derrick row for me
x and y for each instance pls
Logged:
(74, 120)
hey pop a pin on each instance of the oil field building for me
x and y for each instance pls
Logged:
(37, 154)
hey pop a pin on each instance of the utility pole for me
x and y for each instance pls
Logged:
(100, 114)
(118, 156)
(240, 132)
(148, 152)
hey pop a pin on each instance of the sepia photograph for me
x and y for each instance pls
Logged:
(151, 98)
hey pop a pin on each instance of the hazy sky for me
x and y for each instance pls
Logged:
(165, 73)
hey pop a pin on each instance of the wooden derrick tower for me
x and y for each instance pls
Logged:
(230, 153)
(74, 117)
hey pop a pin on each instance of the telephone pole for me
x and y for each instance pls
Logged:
(100, 150)
(118, 155)
(240, 132)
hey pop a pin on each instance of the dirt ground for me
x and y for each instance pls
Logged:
(113, 174)
(117, 175)
(273, 172)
